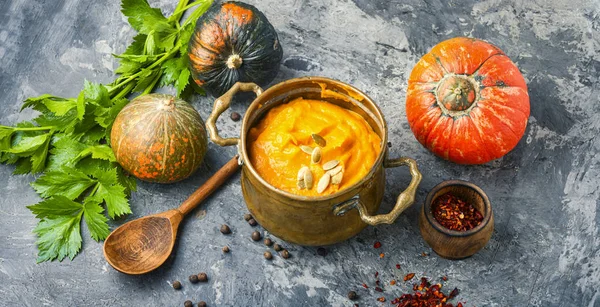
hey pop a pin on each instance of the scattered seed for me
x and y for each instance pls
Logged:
(335, 170)
(202, 277)
(235, 116)
(268, 255)
(352, 295)
(319, 140)
(188, 303)
(256, 236)
(226, 249)
(337, 178)
(323, 183)
(330, 164)
(316, 155)
(193, 278)
(252, 222)
(300, 175)
(247, 216)
(176, 285)
(225, 229)
(285, 254)
(277, 247)
(308, 179)
(409, 276)
(201, 304)
(321, 251)
(306, 149)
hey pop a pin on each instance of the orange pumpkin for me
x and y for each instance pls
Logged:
(467, 102)
(159, 138)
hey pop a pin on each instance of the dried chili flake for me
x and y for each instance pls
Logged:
(444, 278)
(409, 276)
(377, 282)
(424, 254)
(393, 282)
(453, 293)
(377, 244)
(427, 296)
(455, 214)
(365, 286)
(378, 289)
(381, 255)
(376, 274)
(381, 299)
(398, 266)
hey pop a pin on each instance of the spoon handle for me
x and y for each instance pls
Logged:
(209, 186)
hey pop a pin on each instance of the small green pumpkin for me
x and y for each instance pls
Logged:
(233, 42)
(159, 138)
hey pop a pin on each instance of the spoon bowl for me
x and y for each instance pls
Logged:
(142, 245)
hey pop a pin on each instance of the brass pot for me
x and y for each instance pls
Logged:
(309, 220)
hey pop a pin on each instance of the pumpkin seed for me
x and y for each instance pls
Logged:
(300, 184)
(319, 140)
(336, 170)
(323, 183)
(306, 149)
(316, 155)
(337, 179)
(308, 179)
(303, 169)
(331, 164)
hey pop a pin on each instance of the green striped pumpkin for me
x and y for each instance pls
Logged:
(159, 138)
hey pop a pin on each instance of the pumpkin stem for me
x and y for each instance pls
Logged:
(234, 61)
(456, 93)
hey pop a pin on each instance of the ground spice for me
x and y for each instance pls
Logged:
(455, 214)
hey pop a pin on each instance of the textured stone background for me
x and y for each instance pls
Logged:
(545, 250)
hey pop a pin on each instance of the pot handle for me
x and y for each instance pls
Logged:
(221, 104)
(404, 200)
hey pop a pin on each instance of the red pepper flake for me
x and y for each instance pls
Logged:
(378, 289)
(409, 276)
(453, 294)
(426, 296)
(381, 255)
(377, 282)
(444, 278)
(377, 244)
(393, 282)
(398, 266)
(376, 274)
(365, 286)
(424, 254)
(455, 214)
(381, 299)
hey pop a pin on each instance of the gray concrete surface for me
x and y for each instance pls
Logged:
(545, 250)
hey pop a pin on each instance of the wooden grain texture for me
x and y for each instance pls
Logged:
(142, 245)
(453, 244)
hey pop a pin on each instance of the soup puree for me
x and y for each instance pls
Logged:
(275, 152)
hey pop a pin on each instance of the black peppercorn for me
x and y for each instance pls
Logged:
(256, 236)
(268, 242)
(389, 144)
(252, 222)
(201, 304)
(268, 255)
(193, 278)
(235, 116)
(226, 249)
(277, 247)
(176, 285)
(225, 229)
(188, 303)
(321, 251)
(202, 277)
(352, 295)
(247, 216)
(285, 254)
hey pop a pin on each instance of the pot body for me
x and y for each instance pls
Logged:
(314, 220)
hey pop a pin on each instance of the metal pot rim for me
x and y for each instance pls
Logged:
(349, 191)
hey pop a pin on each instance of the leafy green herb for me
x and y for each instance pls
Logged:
(68, 141)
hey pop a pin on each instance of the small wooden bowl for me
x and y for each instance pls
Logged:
(452, 244)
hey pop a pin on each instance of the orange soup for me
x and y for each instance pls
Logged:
(312, 147)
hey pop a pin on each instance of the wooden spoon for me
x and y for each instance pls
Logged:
(144, 244)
